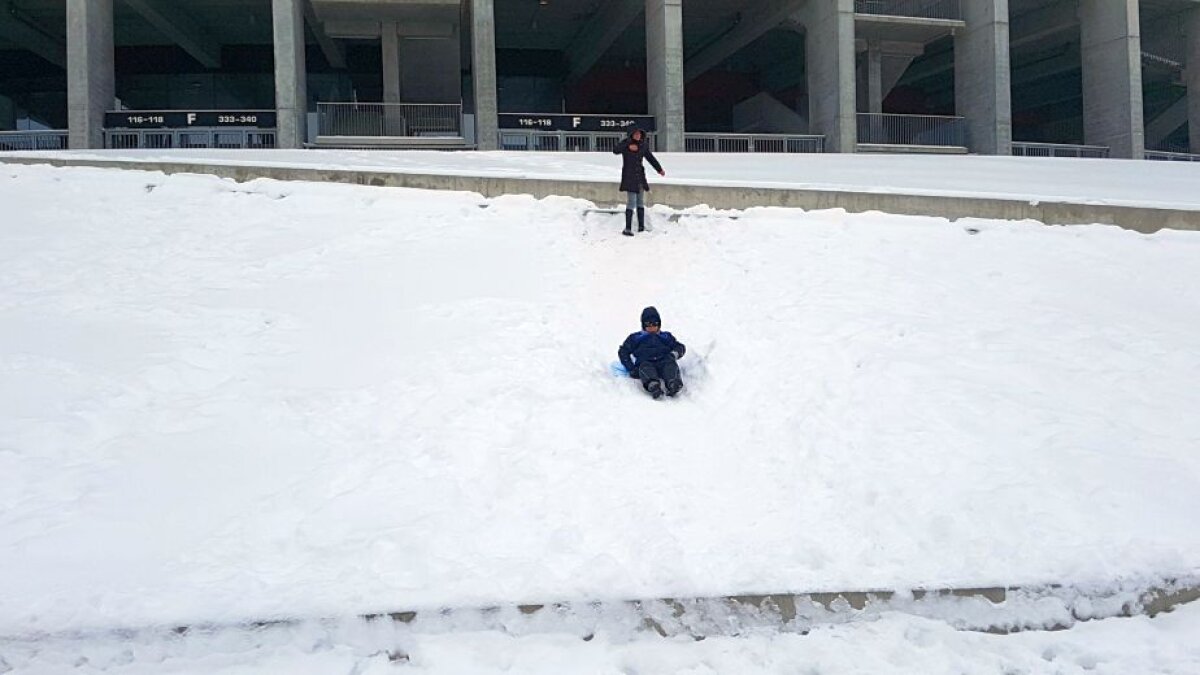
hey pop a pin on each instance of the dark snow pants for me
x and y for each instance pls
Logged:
(650, 372)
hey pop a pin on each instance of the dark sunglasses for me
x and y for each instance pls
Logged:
(652, 323)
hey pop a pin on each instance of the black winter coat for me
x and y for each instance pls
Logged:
(645, 346)
(633, 174)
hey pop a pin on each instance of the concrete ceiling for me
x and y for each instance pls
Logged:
(520, 24)
(228, 21)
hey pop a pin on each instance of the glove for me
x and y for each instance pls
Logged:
(633, 372)
(676, 355)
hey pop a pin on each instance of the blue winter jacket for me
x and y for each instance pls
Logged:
(653, 347)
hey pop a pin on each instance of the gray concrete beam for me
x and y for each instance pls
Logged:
(291, 91)
(1042, 22)
(935, 65)
(982, 88)
(664, 71)
(829, 48)
(21, 32)
(601, 31)
(1166, 123)
(170, 20)
(1112, 76)
(1041, 70)
(91, 79)
(360, 29)
(1048, 92)
(333, 51)
(483, 74)
(761, 17)
(1192, 75)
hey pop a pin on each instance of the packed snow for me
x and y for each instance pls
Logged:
(1077, 181)
(891, 643)
(226, 402)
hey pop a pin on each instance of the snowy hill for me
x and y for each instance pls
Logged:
(224, 403)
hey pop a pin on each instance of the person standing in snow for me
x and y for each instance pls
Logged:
(651, 354)
(633, 149)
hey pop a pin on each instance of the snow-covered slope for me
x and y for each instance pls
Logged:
(226, 402)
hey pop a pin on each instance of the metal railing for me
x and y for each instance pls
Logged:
(562, 141)
(920, 9)
(1024, 149)
(926, 130)
(598, 141)
(1170, 156)
(781, 143)
(33, 140)
(214, 137)
(389, 119)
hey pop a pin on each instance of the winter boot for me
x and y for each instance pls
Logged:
(654, 388)
(674, 387)
(628, 223)
(641, 219)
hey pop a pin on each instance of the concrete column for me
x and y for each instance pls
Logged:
(291, 93)
(91, 80)
(983, 77)
(664, 71)
(1112, 76)
(390, 41)
(483, 73)
(1192, 72)
(829, 51)
(8, 114)
(874, 77)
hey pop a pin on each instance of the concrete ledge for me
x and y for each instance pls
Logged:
(1140, 219)
(999, 610)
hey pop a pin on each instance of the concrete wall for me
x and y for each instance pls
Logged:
(1112, 76)
(199, 91)
(829, 40)
(982, 77)
(91, 79)
(291, 91)
(664, 71)
(430, 69)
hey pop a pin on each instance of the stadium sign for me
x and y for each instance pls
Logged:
(183, 119)
(555, 122)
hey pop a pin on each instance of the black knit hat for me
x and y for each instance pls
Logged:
(650, 315)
